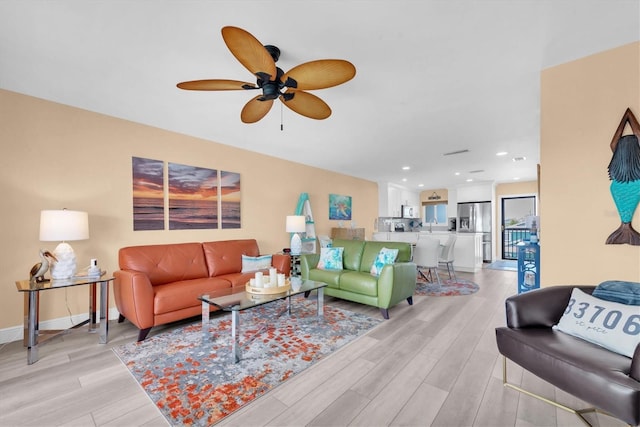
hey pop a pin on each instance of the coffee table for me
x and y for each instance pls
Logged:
(236, 300)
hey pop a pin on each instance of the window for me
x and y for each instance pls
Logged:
(436, 213)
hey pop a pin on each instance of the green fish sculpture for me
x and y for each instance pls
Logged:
(624, 173)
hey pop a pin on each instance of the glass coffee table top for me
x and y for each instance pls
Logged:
(237, 299)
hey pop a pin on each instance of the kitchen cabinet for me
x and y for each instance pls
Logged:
(467, 251)
(391, 197)
(347, 233)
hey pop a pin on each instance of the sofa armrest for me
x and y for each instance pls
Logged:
(635, 364)
(540, 307)
(308, 262)
(395, 283)
(133, 293)
(281, 262)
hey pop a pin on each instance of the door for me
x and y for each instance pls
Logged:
(514, 230)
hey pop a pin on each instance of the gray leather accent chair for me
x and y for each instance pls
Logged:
(607, 380)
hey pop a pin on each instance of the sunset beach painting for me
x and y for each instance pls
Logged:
(148, 194)
(230, 199)
(193, 197)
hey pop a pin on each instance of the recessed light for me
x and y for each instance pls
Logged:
(501, 153)
(457, 173)
(420, 185)
(404, 179)
(406, 168)
(469, 179)
(516, 178)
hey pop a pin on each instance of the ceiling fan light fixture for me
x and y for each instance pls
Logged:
(260, 60)
(270, 90)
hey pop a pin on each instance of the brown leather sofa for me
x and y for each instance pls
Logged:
(158, 284)
(607, 380)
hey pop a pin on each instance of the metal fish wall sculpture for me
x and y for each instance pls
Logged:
(624, 173)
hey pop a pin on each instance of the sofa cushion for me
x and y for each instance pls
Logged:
(385, 256)
(225, 257)
(255, 263)
(241, 279)
(330, 258)
(352, 255)
(372, 248)
(619, 291)
(182, 294)
(359, 283)
(165, 263)
(585, 370)
(609, 324)
(330, 277)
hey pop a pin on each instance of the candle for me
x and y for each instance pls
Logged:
(273, 277)
(259, 279)
(281, 279)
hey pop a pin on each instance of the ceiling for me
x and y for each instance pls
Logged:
(433, 76)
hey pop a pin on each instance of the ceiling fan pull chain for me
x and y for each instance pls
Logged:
(281, 115)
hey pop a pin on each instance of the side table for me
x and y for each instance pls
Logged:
(32, 333)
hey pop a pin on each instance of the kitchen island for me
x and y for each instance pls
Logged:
(467, 252)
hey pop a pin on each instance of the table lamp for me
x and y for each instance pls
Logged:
(296, 224)
(63, 225)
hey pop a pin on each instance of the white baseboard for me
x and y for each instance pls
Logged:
(15, 333)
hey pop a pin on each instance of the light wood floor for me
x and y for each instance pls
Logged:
(434, 363)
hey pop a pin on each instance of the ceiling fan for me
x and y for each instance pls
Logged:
(290, 87)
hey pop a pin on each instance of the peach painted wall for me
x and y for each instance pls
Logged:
(54, 156)
(582, 104)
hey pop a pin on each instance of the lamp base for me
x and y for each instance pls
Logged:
(66, 266)
(296, 244)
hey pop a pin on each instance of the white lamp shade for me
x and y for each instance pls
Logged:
(296, 223)
(63, 225)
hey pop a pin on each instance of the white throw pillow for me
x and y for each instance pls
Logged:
(611, 325)
(330, 259)
(255, 263)
(385, 256)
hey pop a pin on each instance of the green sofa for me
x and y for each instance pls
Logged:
(355, 282)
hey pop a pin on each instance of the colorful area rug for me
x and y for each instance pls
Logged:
(193, 381)
(503, 264)
(446, 288)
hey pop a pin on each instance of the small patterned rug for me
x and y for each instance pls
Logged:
(503, 264)
(446, 288)
(192, 379)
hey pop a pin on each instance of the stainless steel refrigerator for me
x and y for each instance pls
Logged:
(475, 217)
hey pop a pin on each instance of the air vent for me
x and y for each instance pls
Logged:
(519, 159)
(477, 171)
(455, 152)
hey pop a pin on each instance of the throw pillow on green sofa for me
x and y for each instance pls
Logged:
(385, 256)
(330, 259)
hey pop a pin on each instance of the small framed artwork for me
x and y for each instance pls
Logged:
(339, 207)
(148, 194)
(230, 199)
(193, 197)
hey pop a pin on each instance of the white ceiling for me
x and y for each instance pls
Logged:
(433, 76)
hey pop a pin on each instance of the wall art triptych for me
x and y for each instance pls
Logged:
(197, 198)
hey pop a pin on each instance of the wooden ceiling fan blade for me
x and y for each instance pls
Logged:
(306, 104)
(321, 74)
(216, 85)
(249, 51)
(255, 110)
